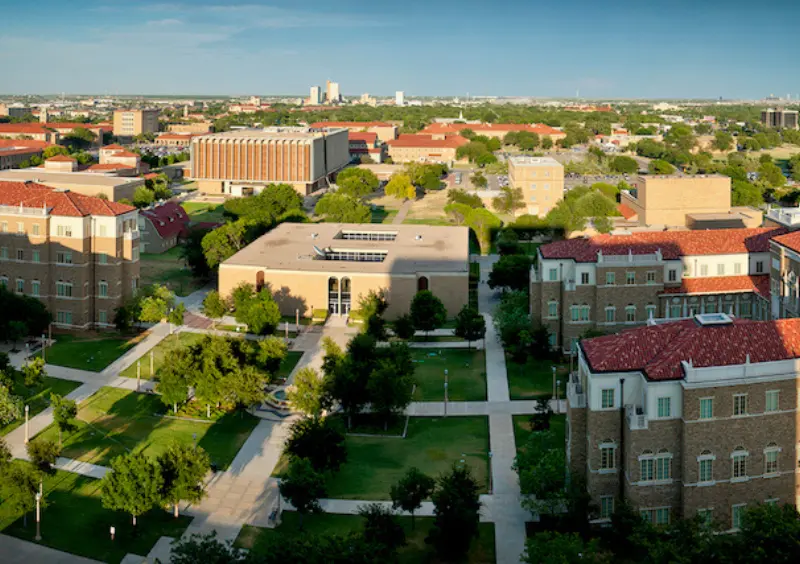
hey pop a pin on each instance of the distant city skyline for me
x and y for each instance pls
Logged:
(625, 49)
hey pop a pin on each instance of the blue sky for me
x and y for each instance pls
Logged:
(611, 48)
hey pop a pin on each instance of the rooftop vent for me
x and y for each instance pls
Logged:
(314, 235)
(418, 238)
(711, 319)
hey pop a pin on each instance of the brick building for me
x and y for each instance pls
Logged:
(614, 282)
(78, 254)
(14, 152)
(384, 131)
(129, 123)
(688, 418)
(541, 180)
(365, 143)
(161, 226)
(498, 130)
(413, 148)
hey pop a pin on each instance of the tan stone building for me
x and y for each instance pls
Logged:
(413, 148)
(175, 139)
(541, 180)
(85, 183)
(331, 265)
(77, 254)
(244, 161)
(612, 282)
(129, 123)
(385, 131)
(14, 152)
(193, 127)
(688, 418)
(497, 130)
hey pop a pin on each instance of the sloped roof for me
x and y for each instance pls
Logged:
(417, 140)
(722, 284)
(34, 195)
(168, 219)
(479, 128)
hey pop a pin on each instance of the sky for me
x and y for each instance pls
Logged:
(543, 48)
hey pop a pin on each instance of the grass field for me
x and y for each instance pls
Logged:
(160, 352)
(201, 211)
(75, 521)
(288, 363)
(534, 379)
(522, 428)
(427, 221)
(382, 215)
(257, 539)
(115, 421)
(374, 464)
(466, 374)
(168, 268)
(38, 398)
(88, 352)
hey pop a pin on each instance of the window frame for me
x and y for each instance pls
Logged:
(710, 401)
(667, 401)
(604, 396)
(739, 410)
(771, 397)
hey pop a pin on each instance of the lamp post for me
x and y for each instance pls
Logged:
(558, 389)
(138, 373)
(445, 392)
(44, 346)
(491, 475)
(113, 530)
(38, 516)
(151, 364)
(297, 320)
(554, 381)
(27, 410)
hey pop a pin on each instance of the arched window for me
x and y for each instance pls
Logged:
(345, 286)
(259, 280)
(333, 295)
(422, 283)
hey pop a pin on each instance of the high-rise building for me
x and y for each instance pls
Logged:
(332, 92)
(399, 98)
(779, 119)
(541, 180)
(315, 99)
(129, 123)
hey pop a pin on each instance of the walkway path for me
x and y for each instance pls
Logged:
(18, 551)
(402, 212)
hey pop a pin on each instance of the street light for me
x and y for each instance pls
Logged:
(445, 392)
(558, 389)
(44, 346)
(554, 381)
(491, 477)
(27, 409)
(38, 516)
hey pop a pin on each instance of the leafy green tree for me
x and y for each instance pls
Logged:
(154, 303)
(134, 485)
(175, 315)
(540, 465)
(413, 488)
(403, 327)
(213, 306)
(389, 390)
(372, 307)
(183, 469)
(624, 165)
(770, 533)
(303, 487)
(225, 241)
(472, 151)
(512, 321)
(771, 173)
(382, 528)
(18, 488)
(16, 331)
(259, 312)
(400, 187)
(745, 193)
(5, 454)
(10, 406)
(174, 379)
(143, 197)
(470, 325)
(458, 212)
(192, 254)
(307, 394)
(65, 411)
(43, 455)
(54, 150)
(459, 196)
(357, 182)
(33, 372)
(681, 137)
(722, 141)
(603, 224)
(206, 549)
(319, 441)
(547, 143)
(341, 208)
(483, 223)
(427, 311)
(550, 547)
(660, 166)
(479, 180)
(511, 272)
(595, 204)
(456, 508)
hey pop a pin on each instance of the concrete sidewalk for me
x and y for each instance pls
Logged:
(17, 551)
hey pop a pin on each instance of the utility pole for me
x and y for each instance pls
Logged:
(445, 392)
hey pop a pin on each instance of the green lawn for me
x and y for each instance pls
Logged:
(115, 421)
(38, 398)
(466, 379)
(288, 363)
(522, 428)
(416, 550)
(75, 521)
(374, 464)
(201, 212)
(534, 379)
(88, 352)
(427, 221)
(382, 215)
(160, 352)
(171, 255)
(169, 270)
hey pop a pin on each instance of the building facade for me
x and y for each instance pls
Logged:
(498, 130)
(688, 418)
(332, 265)
(384, 131)
(86, 183)
(541, 180)
(77, 254)
(161, 226)
(411, 148)
(129, 123)
(779, 119)
(613, 282)
(242, 162)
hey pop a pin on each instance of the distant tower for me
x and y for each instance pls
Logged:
(186, 111)
(399, 98)
(43, 117)
(315, 97)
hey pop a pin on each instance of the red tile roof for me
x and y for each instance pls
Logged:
(61, 159)
(108, 166)
(24, 143)
(626, 211)
(790, 240)
(168, 219)
(672, 244)
(410, 140)
(722, 284)
(178, 135)
(658, 350)
(124, 154)
(69, 125)
(19, 151)
(33, 195)
(27, 128)
(113, 148)
(364, 136)
(479, 128)
(354, 124)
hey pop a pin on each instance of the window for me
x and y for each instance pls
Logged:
(20, 228)
(675, 311)
(672, 275)
(706, 516)
(3, 253)
(703, 270)
(663, 467)
(103, 289)
(739, 405)
(739, 464)
(650, 311)
(64, 317)
(552, 309)
(64, 231)
(552, 275)
(607, 456)
(35, 229)
(630, 313)
(610, 278)
(584, 278)
(607, 398)
(102, 317)
(20, 254)
(651, 277)
(710, 308)
(20, 286)
(706, 408)
(647, 469)
(34, 287)
(574, 313)
(659, 516)
(611, 314)
(606, 506)
(736, 515)
(422, 283)
(664, 407)
(771, 459)
(705, 470)
(102, 258)
(772, 401)
(737, 268)
(759, 266)
(35, 256)
(744, 309)
(64, 258)
(720, 269)
(630, 278)
(63, 289)
(655, 467)
(584, 312)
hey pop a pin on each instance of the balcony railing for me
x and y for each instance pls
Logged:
(637, 418)
(22, 210)
(575, 393)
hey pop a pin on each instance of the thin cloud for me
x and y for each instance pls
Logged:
(169, 22)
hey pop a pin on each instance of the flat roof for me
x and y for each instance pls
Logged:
(415, 248)
(524, 160)
(273, 133)
(44, 176)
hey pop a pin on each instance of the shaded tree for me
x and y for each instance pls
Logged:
(624, 165)
(509, 201)
(213, 306)
(65, 411)
(10, 406)
(512, 272)
(403, 327)
(341, 208)
(183, 468)
(382, 528)
(33, 372)
(307, 394)
(319, 441)
(43, 455)
(133, 485)
(483, 223)
(412, 489)
(302, 486)
(456, 507)
(470, 325)
(357, 182)
(427, 311)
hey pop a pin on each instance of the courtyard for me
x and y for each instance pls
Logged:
(466, 374)
(89, 351)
